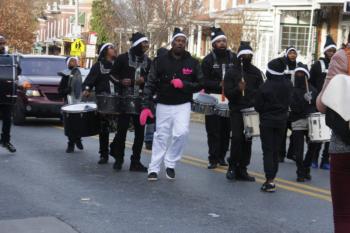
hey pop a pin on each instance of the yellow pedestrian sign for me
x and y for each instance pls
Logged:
(77, 48)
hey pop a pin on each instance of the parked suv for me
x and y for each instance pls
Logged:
(38, 87)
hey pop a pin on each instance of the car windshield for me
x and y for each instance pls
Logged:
(42, 66)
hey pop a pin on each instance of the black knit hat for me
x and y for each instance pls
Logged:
(216, 34)
(161, 51)
(103, 49)
(177, 33)
(137, 38)
(290, 48)
(329, 44)
(276, 67)
(244, 48)
(303, 68)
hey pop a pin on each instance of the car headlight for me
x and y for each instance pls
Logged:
(32, 93)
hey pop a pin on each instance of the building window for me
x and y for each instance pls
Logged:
(295, 35)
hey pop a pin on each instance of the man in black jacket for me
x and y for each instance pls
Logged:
(174, 78)
(318, 74)
(6, 110)
(124, 70)
(241, 84)
(214, 66)
(272, 102)
(99, 79)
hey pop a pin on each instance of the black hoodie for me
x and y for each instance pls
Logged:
(300, 108)
(317, 76)
(272, 101)
(253, 79)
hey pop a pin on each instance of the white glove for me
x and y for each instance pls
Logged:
(308, 96)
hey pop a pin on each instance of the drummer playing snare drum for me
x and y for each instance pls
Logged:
(65, 90)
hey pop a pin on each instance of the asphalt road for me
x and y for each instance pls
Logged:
(41, 180)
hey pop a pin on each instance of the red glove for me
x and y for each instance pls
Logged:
(177, 83)
(144, 115)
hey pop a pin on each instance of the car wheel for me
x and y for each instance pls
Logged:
(18, 113)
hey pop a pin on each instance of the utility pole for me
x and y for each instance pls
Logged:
(310, 44)
(76, 23)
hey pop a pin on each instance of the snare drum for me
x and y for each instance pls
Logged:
(132, 104)
(108, 104)
(204, 104)
(222, 110)
(318, 130)
(80, 120)
(251, 122)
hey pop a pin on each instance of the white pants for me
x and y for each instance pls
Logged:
(172, 126)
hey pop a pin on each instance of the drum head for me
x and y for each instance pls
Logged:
(222, 106)
(82, 107)
(248, 110)
(206, 99)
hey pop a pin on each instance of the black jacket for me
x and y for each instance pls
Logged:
(272, 101)
(212, 70)
(122, 70)
(99, 77)
(63, 88)
(166, 68)
(290, 66)
(300, 108)
(317, 75)
(253, 79)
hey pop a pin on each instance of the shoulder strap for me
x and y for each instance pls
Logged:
(323, 66)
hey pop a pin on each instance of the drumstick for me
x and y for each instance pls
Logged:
(242, 79)
(223, 67)
(307, 87)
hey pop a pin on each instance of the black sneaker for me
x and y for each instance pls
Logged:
(137, 167)
(148, 145)
(117, 165)
(170, 173)
(301, 179)
(268, 187)
(152, 176)
(103, 160)
(79, 145)
(9, 147)
(230, 174)
(212, 165)
(223, 163)
(70, 147)
(245, 177)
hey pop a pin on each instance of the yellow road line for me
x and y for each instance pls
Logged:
(308, 190)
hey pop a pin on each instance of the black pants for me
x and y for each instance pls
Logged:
(271, 142)
(218, 133)
(6, 112)
(303, 164)
(73, 139)
(104, 137)
(118, 144)
(325, 155)
(241, 147)
(283, 150)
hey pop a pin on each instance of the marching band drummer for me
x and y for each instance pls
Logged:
(173, 78)
(318, 74)
(124, 69)
(240, 85)
(303, 103)
(99, 78)
(64, 89)
(272, 102)
(218, 128)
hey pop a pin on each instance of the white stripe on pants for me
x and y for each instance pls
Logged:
(172, 123)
